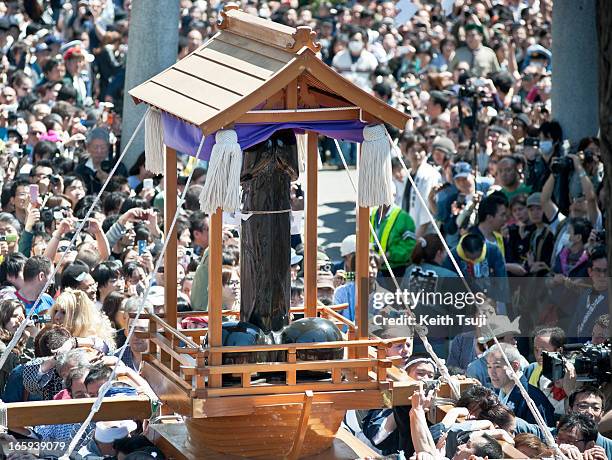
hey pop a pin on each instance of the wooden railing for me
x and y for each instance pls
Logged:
(180, 355)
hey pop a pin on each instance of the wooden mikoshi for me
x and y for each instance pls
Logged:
(257, 71)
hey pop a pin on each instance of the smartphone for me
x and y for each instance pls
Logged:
(34, 193)
(8, 238)
(142, 247)
(147, 184)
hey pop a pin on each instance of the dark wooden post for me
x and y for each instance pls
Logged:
(267, 172)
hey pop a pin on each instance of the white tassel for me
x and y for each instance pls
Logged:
(154, 142)
(375, 178)
(222, 187)
(302, 149)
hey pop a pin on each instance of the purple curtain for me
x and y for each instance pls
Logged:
(185, 138)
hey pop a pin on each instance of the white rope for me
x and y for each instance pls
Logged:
(3, 417)
(509, 369)
(96, 406)
(24, 324)
(439, 363)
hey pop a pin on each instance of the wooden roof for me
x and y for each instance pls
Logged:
(247, 62)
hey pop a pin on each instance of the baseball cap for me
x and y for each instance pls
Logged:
(444, 144)
(462, 169)
(534, 199)
(523, 118)
(77, 51)
(348, 245)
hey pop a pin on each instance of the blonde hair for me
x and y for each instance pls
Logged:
(82, 318)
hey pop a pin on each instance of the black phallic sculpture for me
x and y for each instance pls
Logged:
(267, 172)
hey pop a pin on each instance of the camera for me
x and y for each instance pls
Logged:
(41, 319)
(563, 165)
(106, 166)
(54, 179)
(592, 362)
(48, 215)
(8, 238)
(461, 199)
(588, 156)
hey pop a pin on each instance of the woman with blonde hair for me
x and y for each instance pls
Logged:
(74, 310)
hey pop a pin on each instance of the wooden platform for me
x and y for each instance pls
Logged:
(172, 439)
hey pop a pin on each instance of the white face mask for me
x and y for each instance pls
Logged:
(546, 146)
(355, 46)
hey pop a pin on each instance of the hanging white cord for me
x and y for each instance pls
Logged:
(96, 405)
(426, 344)
(24, 324)
(509, 369)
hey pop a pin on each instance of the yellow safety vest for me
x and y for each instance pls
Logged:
(387, 229)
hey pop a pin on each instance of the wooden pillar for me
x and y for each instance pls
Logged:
(215, 260)
(310, 232)
(362, 272)
(170, 258)
(362, 269)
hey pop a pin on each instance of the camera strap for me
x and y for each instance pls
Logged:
(590, 308)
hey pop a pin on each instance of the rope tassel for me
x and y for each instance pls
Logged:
(222, 187)
(375, 179)
(154, 142)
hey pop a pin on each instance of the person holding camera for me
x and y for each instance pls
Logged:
(583, 203)
(95, 170)
(593, 302)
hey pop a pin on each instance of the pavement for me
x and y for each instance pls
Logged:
(336, 209)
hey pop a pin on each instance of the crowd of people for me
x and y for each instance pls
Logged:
(521, 208)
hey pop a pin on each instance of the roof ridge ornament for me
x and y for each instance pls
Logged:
(290, 39)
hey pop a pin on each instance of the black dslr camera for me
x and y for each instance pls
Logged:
(562, 165)
(592, 362)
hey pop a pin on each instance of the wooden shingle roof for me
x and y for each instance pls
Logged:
(244, 64)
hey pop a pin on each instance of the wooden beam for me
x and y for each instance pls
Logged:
(310, 233)
(76, 410)
(327, 100)
(272, 116)
(170, 257)
(330, 78)
(215, 288)
(291, 95)
(300, 433)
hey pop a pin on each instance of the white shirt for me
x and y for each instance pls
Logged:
(360, 71)
(426, 177)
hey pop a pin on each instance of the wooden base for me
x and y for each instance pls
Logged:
(269, 432)
(173, 440)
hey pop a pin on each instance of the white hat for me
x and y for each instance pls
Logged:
(108, 432)
(156, 296)
(295, 257)
(348, 245)
(498, 326)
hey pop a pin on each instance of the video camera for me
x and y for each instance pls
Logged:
(592, 362)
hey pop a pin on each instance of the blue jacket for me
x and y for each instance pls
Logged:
(519, 406)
